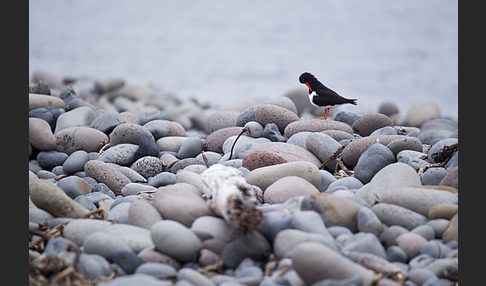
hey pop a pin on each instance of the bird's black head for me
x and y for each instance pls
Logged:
(306, 77)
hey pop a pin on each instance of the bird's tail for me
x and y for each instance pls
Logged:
(352, 101)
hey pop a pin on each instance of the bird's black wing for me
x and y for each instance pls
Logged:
(329, 97)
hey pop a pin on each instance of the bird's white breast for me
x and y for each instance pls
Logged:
(311, 95)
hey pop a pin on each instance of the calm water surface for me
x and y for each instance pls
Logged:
(225, 50)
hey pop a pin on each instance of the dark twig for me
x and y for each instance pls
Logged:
(106, 146)
(234, 143)
(333, 156)
(205, 159)
(343, 167)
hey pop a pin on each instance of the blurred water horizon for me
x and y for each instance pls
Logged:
(221, 51)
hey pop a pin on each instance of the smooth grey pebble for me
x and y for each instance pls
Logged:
(127, 260)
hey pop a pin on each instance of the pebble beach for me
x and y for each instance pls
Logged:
(131, 185)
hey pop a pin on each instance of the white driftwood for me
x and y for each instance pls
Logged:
(229, 195)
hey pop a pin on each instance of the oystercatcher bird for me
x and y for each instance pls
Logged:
(322, 96)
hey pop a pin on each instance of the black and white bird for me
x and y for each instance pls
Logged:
(322, 96)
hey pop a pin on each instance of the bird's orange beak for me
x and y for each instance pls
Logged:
(306, 83)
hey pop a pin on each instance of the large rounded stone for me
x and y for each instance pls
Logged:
(270, 113)
(41, 100)
(368, 123)
(77, 230)
(371, 161)
(40, 134)
(75, 162)
(314, 261)
(452, 231)
(392, 176)
(105, 173)
(220, 119)
(315, 125)
(410, 243)
(181, 202)
(265, 176)
(128, 133)
(215, 140)
(104, 244)
(49, 197)
(277, 150)
(334, 210)
(391, 214)
(286, 188)
(137, 238)
(175, 239)
(422, 112)
(147, 166)
(253, 245)
(80, 138)
(407, 143)
(353, 150)
(81, 116)
(143, 214)
(287, 239)
(107, 121)
(419, 200)
(323, 146)
(159, 128)
(122, 154)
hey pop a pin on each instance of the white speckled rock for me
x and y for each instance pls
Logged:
(105, 173)
(84, 138)
(147, 166)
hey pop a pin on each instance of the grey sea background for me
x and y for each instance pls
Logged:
(221, 51)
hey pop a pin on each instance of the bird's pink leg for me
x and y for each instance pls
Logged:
(326, 113)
